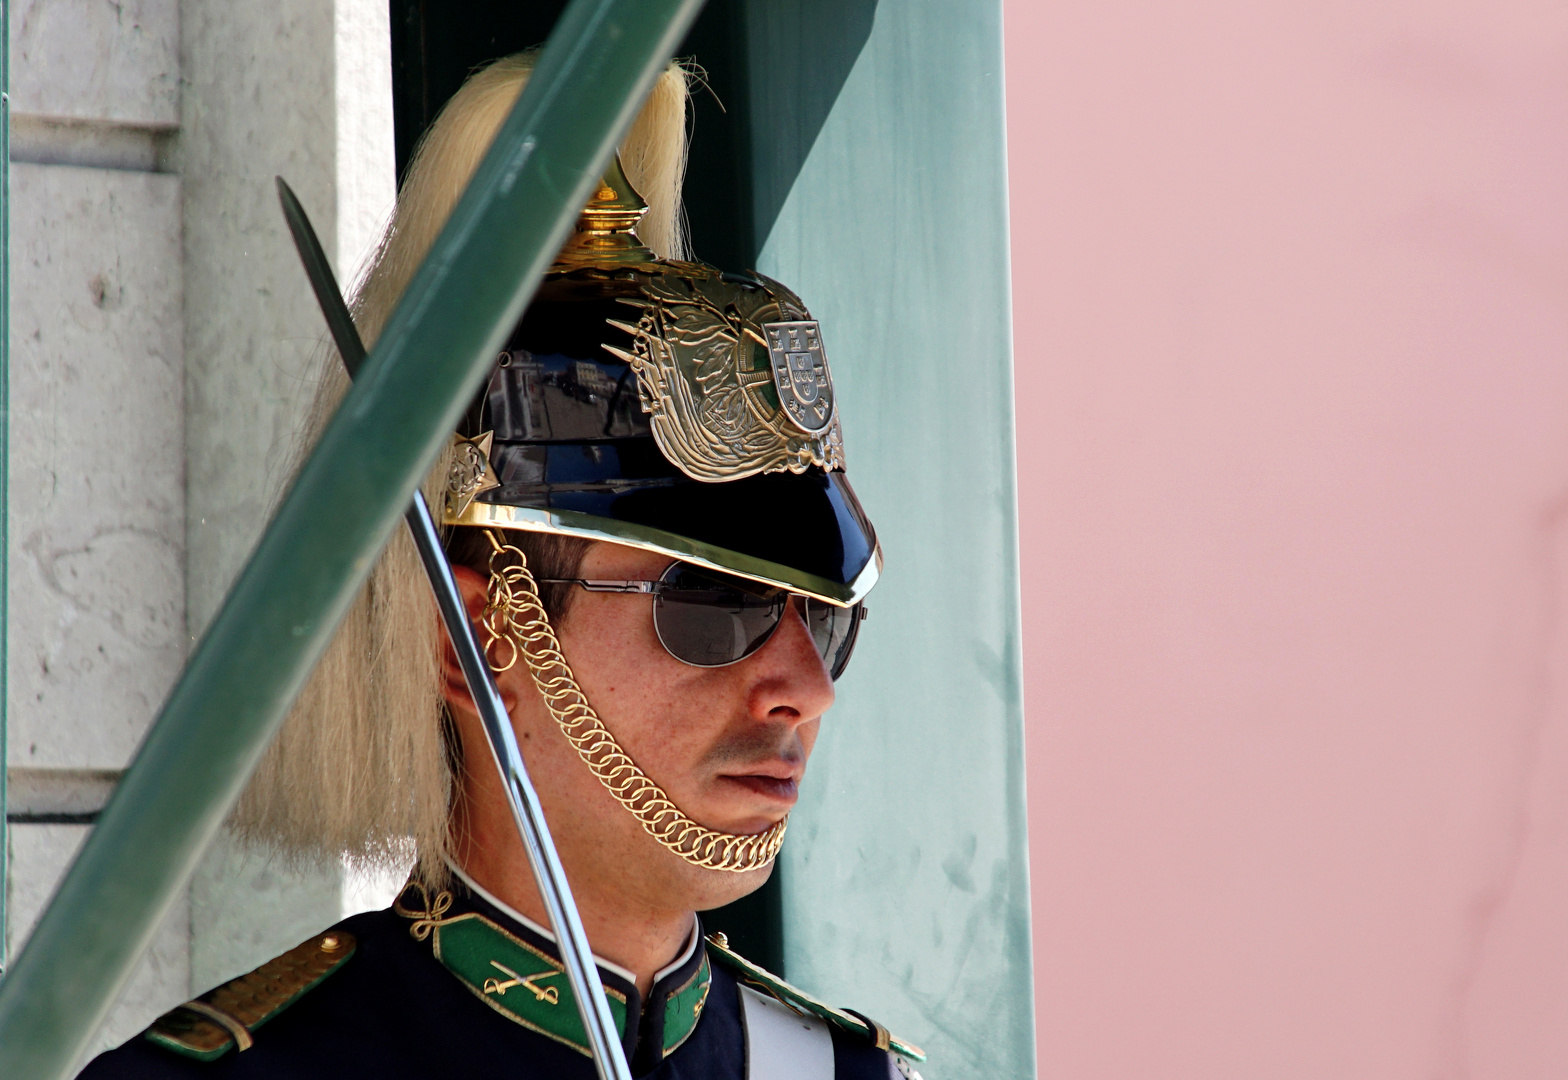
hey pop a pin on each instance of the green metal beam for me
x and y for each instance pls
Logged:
(280, 614)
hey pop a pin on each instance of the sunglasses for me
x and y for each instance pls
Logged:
(710, 619)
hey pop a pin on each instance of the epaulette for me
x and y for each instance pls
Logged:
(206, 1027)
(847, 1019)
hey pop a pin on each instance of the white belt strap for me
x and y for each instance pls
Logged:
(781, 1044)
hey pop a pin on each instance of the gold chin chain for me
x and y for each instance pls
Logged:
(515, 616)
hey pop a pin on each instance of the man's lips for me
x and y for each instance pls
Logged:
(783, 789)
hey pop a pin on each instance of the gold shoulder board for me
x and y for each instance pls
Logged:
(802, 1002)
(206, 1027)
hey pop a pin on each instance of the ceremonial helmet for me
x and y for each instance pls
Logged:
(645, 401)
(664, 405)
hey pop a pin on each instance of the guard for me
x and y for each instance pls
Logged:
(648, 513)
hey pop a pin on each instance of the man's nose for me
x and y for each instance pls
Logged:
(790, 677)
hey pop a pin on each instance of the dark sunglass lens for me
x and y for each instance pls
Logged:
(710, 620)
(834, 629)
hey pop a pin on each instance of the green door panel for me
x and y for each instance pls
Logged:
(905, 877)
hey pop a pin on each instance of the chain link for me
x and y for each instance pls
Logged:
(515, 617)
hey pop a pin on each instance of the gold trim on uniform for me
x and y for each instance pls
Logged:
(227, 1015)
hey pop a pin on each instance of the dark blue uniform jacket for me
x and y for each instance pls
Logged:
(392, 1010)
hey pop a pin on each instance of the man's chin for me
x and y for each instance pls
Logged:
(720, 887)
(744, 819)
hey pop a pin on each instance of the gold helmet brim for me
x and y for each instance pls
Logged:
(858, 581)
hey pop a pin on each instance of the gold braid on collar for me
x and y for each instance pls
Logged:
(427, 919)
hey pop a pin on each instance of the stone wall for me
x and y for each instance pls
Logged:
(160, 334)
(97, 437)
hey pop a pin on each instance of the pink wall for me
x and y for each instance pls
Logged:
(1291, 287)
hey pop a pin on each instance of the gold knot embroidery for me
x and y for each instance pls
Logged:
(429, 917)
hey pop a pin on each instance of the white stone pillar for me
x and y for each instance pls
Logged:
(161, 330)
(301, 89)
(97, 531)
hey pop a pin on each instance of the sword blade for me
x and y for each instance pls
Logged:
(581, 969)
(345, 335)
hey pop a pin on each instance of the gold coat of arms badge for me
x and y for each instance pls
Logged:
(732, 375)
(800, 373)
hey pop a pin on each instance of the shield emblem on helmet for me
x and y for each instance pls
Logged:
(800, 374)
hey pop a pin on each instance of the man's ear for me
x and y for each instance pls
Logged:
(474, 587)
(472, 584)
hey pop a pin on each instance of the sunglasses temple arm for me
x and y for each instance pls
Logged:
(527, 812)
(613, 586)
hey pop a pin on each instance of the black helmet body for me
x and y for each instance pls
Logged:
(667, 406)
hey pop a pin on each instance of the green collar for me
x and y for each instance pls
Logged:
(516, 973)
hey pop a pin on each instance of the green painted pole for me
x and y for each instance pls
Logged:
(427, 364)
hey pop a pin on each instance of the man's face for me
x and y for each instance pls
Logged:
(728, 745)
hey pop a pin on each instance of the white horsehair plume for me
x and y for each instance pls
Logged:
(360, 769)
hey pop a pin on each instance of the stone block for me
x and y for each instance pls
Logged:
(96, 60)
(39, 856)
(259, 103)
(32, 793)
(97, 462)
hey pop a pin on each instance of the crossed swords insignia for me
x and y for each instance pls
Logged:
(499, 987)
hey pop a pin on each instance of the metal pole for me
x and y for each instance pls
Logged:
(604, 1038)
(582, 971)
(433, 353)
